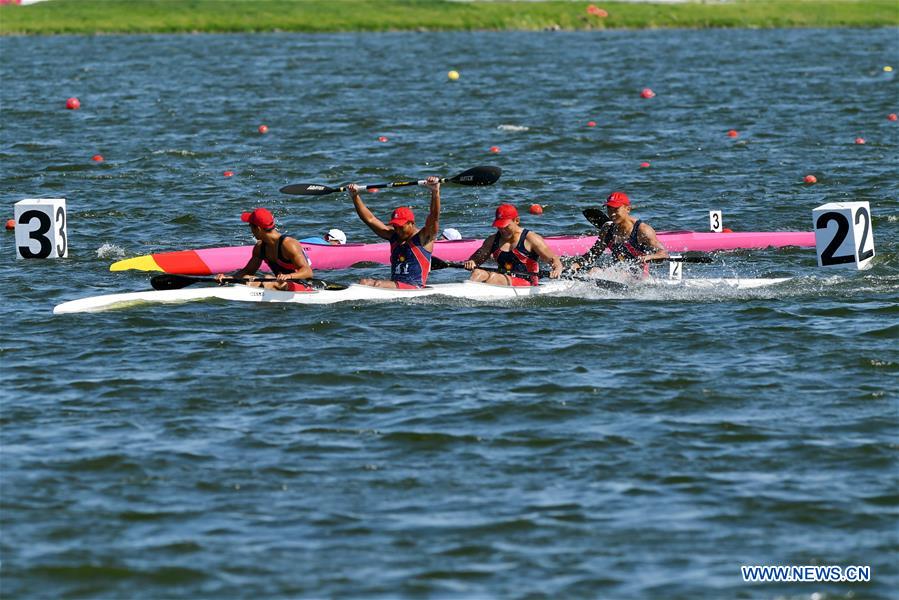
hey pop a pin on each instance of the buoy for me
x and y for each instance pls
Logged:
(263, 129)
(97, 158)
(733, 133)
(228, 173)
(372, 190)
(726, 230)
(382, 138)
(536, 209)
(494, 149)
(888, 69)
(892, 117)
(647, 93)
(591, 123)
(644, 165)
(859, 140)
(73, 103)
(10, 224)
(810, 179)
(453, 75)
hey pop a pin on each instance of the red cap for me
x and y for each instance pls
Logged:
(617, 199)
(505, 214)
(401, 216)
(260, 217)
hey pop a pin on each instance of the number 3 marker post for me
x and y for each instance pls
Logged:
(843, 234)
(41, 228)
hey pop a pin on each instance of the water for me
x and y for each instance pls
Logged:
(592, 446)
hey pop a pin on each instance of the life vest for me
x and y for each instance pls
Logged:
(519, 260)
(281, 265)
(410, 262)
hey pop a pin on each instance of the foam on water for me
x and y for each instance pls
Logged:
(108, 250)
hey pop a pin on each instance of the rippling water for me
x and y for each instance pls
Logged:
(592, 446)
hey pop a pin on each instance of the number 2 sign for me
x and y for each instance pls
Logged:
(41, 228)
(843, 234)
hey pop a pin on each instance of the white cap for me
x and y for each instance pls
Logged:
(451, 234)
(336, 234)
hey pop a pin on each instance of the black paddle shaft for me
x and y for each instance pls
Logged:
(171, 281)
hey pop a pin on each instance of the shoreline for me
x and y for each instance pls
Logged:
(90, 17)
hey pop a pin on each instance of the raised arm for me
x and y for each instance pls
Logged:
(480, 255)
(432, 225)
(373, 222)
(647, 236)
(539, 246)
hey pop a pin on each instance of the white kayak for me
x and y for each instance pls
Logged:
(468, 290)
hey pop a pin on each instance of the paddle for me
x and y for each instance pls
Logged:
(477, 176)
(438, 263)
(596, 216)
(171, 281)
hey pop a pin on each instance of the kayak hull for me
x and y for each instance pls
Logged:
(208, 261)
(467, 290)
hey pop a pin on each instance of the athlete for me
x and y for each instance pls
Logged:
(334, 237)
(284, 256)
(630, 241)
(410, 247)
(517, 252)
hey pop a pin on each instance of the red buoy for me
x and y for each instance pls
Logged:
(263, 129)
(382, 139)
(810, 179)
(644, 165)
(494, 149)
(11, 224)
(591, 123)
(228, 173)
(892, 117)
(97, 158)
(733, 133)
(859, 140)
(536, 209)
(647, 93)
(73, 103)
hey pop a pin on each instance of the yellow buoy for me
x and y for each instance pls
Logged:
(888, 69)
(453, 75)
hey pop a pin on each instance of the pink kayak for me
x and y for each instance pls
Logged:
(223, 260)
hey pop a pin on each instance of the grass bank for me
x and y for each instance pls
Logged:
(210, 16)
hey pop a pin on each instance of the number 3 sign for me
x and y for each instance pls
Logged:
(41, 228)
(843, 234)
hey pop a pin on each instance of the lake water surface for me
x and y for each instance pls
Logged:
(597, 446)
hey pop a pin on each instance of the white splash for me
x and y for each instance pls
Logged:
(110, 251)
(513, 128)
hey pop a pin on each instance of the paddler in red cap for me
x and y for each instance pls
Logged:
(517, 252)
(283, 254)
(629, 240)
(410, 247)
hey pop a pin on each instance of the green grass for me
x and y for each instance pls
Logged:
(175, 16)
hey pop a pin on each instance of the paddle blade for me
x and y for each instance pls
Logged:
(612, 286)
(478, 176)
(170, 282)
(596, 216)
(308, 189)
(321, 284)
